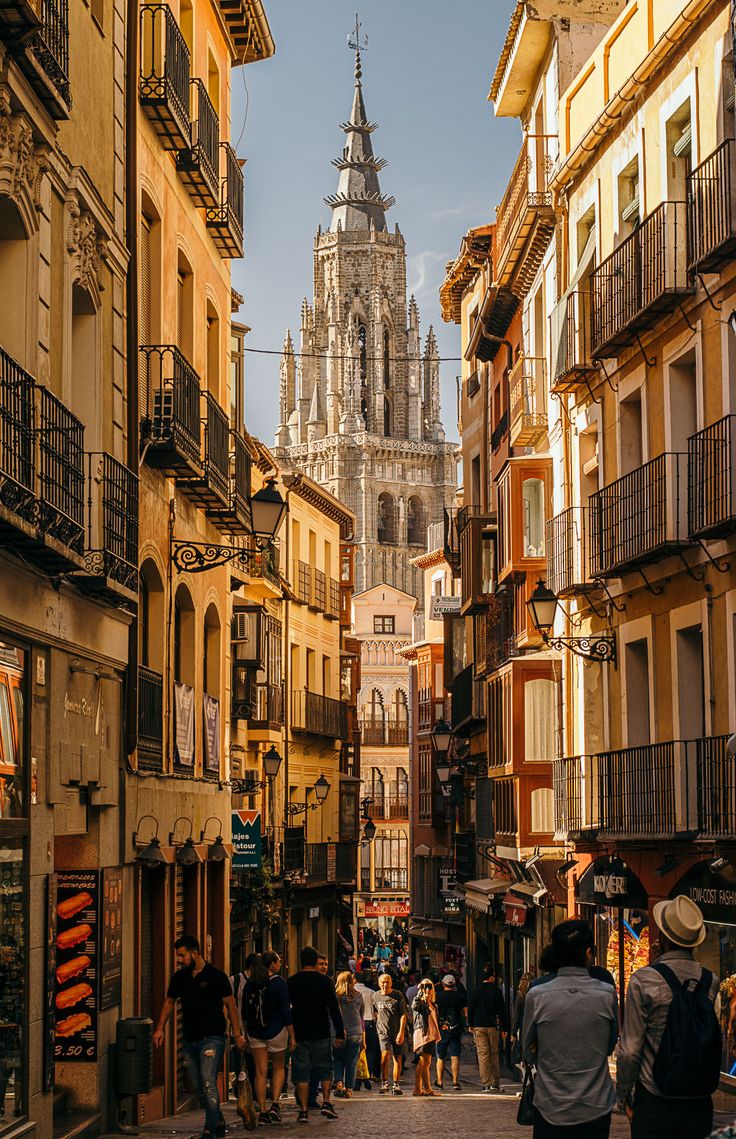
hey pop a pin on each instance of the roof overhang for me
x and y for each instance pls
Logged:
(249, 29)
(522, 55)
(475, 251)
(495, 316)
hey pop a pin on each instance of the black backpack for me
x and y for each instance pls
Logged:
(255, 1002)
(688, 1063)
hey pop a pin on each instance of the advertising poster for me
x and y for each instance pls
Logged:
(49, 1020)
(111, 938)
(76, 996)
(246, 839)
(184, 725)
(211, 711)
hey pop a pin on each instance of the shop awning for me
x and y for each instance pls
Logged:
(478, 893)
(610, 882)
(530, 893)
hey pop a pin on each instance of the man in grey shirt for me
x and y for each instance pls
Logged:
(570, 1030)
(653, 1115)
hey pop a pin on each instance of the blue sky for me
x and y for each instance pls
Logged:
(426, 76)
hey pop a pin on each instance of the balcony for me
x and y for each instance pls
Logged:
(493, 633)
(711, 478)
(267, 709)
(18, 18)
(111, 559)
(150, 719)
(164, 76)
(640, 518)
(45, 60)
(384, 732)
(211, 488)
(391, 806)
(235, 516)
(170, 412)
(528, 399)
(18, 504)
(61, 483)
(575, 804)
(431, 710)
(525, 220)
(319, 592)
(452, 540)
(302, 582)
(716, 790)
(315, 715)
(468, 700)
(505, 812)
(331, 862)
(574, 365)
(645, 277)
(225, 220)
(568, 552)
(638, 793)
(712, 213)
(264, 565)
(198, 163)
(332, 604)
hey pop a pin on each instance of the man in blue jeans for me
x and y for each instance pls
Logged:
(204, 993)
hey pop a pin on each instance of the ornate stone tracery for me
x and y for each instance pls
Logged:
(22, 162)
(87, 247)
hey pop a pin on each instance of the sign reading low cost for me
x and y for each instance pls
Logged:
(246, 839)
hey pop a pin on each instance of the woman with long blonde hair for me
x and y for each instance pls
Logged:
(426, 1035)
(345, 1059)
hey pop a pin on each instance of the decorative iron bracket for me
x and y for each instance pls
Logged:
(705, 289)
(650, 586)
(600, 649)
(198, 557)
(649, 363)
(720, 565)
(301, 808)
(600, 582)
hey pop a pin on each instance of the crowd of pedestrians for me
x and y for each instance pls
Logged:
(367, 1028)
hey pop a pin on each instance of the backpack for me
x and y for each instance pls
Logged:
(688, 1062)
(255, 1003)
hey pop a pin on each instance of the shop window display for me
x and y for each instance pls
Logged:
(622, 942)
(12, 773)
(12, 983)
(718, 953)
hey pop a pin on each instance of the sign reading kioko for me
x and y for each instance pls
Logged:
(610, 882)
(246, 839)
(444, 607)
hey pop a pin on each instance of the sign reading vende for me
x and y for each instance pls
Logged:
(246, 839)
(444, 607)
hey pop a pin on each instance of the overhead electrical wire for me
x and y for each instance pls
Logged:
(337, 356)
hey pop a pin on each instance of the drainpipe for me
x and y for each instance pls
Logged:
(131, 291)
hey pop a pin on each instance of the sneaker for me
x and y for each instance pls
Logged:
(263, 1119)
(328, 1111)
(496, 1088)
(274, 1113)
(457, 1087)
(396, 1090)
(486, 1088)
(384, 1087)
(303, 1117)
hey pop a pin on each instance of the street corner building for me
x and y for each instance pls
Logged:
(122, 439)
(590, 638)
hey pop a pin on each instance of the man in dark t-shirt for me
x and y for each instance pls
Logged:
(313, 1008)
(451, 1011)
(204, 993)
(391, 1011)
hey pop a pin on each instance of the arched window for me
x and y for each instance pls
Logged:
(416, 522)
(211, 654)
(387, 417)
(85, 386)
(374, 716)
(13, 282)
(213, 350)
(386, 519)
(399, 727)
(185, 307)
(362, 352)
(184, 637)
(532, 493)
(386, 358)
(151, 623)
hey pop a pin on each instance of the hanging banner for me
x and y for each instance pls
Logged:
(76, 1000)
(184, 725)
(211, 734)
(111, 938)
(246, 839)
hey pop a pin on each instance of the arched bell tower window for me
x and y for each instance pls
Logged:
(386, 359)
(386, 519)
(387, 417)
(362, 352)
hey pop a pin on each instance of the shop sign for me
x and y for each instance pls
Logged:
(313, 913)
(715, 894)
(447, 879)
(610, 882)
(111, 938)
(451, 906)
(246, 839)
(394, 909)
(515, 910)
(49, 1024)
(440, 607)
(76, 999)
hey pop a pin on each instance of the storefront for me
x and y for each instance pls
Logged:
(615, 902)
(381, 919)
(715, 894)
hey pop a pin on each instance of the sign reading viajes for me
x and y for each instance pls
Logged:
(246, 839)
(440, 607)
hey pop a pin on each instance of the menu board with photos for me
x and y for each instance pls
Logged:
(111, 938)
(76, 998)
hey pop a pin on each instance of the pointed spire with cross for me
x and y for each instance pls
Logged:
(354, 43)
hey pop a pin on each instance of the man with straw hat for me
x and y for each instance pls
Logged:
(644, 1086)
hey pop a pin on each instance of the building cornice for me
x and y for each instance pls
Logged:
(460, 274)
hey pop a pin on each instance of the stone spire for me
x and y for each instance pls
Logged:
(358, 203)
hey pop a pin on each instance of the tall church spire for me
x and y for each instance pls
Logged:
(358, 203)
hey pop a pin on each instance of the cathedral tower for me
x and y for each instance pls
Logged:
(360, 399)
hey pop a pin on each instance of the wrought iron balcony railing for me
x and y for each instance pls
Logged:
(638, 792)
(17, 454)
(646, 276)
(111, 559)
(525, 218)
(61, 458)
(150, 719)
(711, 191)
(302, 582)
(268, 704)
(233, 515)
(391, 806)
(711, 479)
(452, 540)
(528, 401)
(164, 75)
(568, 551)
(641, 517)
(199, 163)
(574, 363)
(716, 787)
(500, 431)
(170, 411)
(225, 220)
(318, 715)
(46, 58)
(575, 791)
(211, 489)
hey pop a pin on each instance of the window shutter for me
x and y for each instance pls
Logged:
(179, 308)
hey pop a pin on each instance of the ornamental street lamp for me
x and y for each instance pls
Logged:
(150, 855)
(442, 767)
(321, 789)
(369, 832)
(267, 509)
(267, 513)
(271, 766)
(542, 606)
(441, 735)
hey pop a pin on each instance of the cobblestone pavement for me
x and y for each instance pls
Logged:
(454, 1114)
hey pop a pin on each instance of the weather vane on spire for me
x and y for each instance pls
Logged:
(355, 42)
